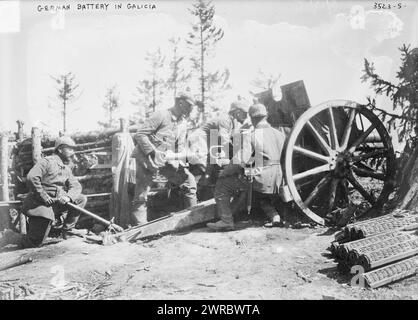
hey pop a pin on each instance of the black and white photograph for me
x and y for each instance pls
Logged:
(215, 150)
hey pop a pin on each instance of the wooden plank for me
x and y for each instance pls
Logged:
(36, 145)
(177, 221)
(101, 166)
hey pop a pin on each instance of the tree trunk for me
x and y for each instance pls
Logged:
(408, 186)
(64, 116)
(202, 73)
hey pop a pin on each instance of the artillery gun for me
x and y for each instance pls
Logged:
(337, 154)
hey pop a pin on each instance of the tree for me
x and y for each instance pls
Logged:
(404, 97)
(156, 61)
(149, 91)
(265, 81)
(66, 93)
(110, 105)
(202, 40)
(143, 99)
(178, 77)
(404, 94)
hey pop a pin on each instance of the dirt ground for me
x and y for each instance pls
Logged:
(249, 263)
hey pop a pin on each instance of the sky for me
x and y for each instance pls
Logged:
(323, 43)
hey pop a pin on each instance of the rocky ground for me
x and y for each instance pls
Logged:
(249, 263)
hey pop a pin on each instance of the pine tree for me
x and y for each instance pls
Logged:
(156, 62)
(110, 105)
(149, 91)
(178, 79)
(66, 87)
(202, 40)
(404, 96)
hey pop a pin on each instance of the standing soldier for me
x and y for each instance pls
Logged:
(164, 131)
(52, 185)
(260, 153)
(218, 133)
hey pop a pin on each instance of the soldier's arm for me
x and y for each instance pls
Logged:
(149, 127)
(34, 179)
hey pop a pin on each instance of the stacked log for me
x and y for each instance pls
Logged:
(385, 247)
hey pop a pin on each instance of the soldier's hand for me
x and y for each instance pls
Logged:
(64, 199)
(48, 200)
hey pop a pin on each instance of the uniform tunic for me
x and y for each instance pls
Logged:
(49, 177)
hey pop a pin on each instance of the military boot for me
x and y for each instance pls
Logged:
(221, 226)
(227, 221)
(275, 222)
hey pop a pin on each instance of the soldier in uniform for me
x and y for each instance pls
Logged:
(261, 152)
(164, 131)
(51, 185)
(218, 133)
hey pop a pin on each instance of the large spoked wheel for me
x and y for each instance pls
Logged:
(338, 154)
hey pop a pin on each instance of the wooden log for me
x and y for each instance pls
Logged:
(94, 176)
(100, 143)
(120, 202)
(101, 166)
(177, 221)
(97, 203)
(36, 145)
(14, 263)
(93, 150)
(4, 180)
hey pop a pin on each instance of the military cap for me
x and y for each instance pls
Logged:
(64, 140)
(257, 110)
(239, 105)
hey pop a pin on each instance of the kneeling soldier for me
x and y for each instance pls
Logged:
(265, 145)
(52, 185)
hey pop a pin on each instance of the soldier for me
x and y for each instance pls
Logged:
(51, 185)
(263, 147)
(164, 131)
(218, 132)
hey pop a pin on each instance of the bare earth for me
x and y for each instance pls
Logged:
(249, 263)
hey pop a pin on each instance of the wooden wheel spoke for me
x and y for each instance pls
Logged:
(347, 130)
(362, 137)
(333, 130)
(323, 144)
(369, 173)
(311, 154)
(333, 191)
(370, 198)
(321, 184)
(311, 172)
(369, 155)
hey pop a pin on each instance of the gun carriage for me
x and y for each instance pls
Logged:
(337, 154)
